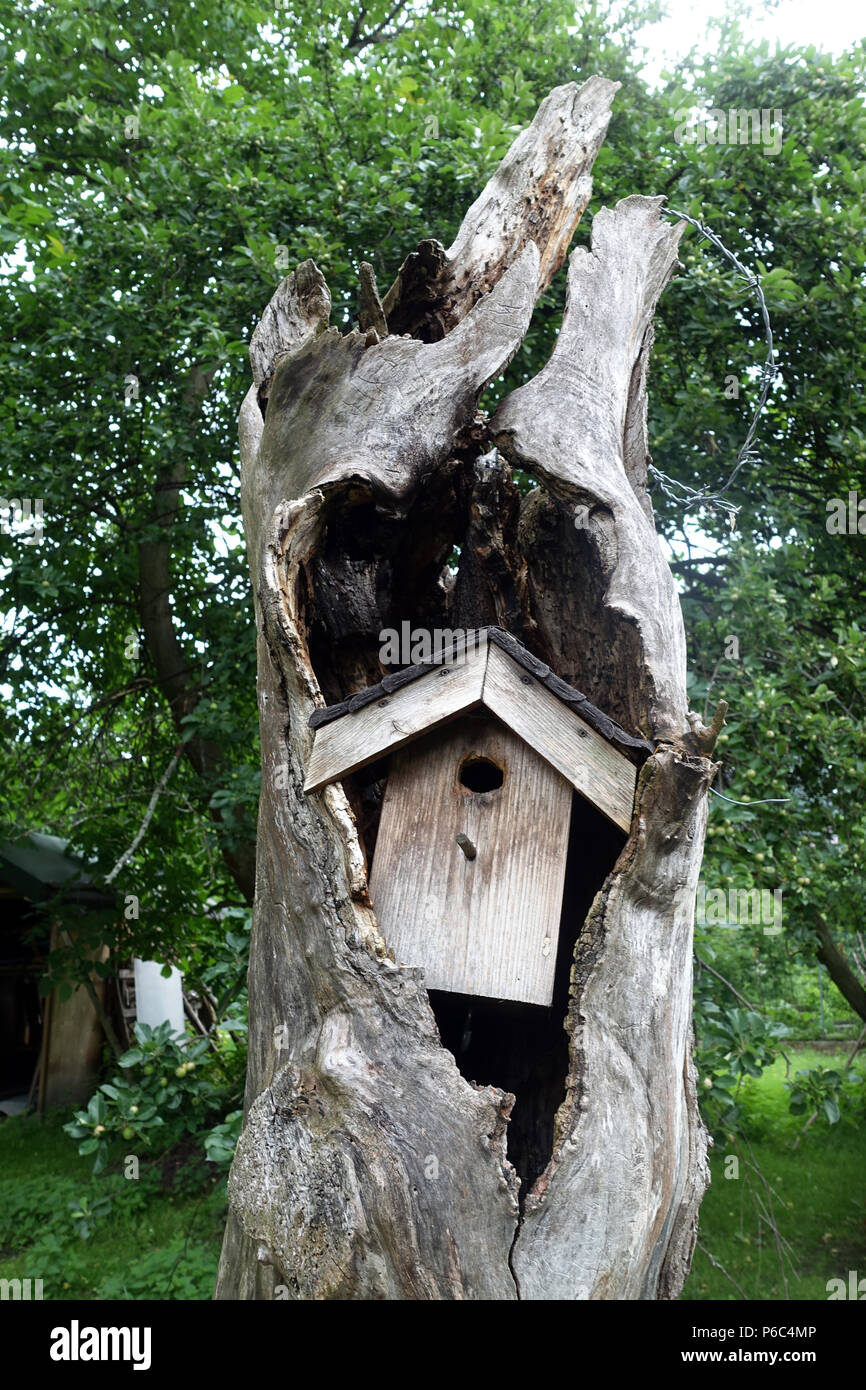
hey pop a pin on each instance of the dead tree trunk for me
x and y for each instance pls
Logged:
(563, 1155)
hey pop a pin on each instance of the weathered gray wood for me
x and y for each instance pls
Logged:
(348, 1180)
(488, 925)
(566, 741)
(301, 303)
(369, 1167)
(537, 195)
(391, 407)
(626, 1140)
(580, 424)
(357, 739)
(489, 677)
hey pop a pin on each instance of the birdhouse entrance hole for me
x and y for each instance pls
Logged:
(479, 774)
(523, 1048)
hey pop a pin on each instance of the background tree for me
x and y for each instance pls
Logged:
(143, 251)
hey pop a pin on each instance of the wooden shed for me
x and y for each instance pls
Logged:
(487, 748)
(49, 1047)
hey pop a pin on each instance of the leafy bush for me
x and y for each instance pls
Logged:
(48, 1223)
(32, 1209)
(822, 1089)
(87, 1212)
(178, 1270)
(29, 1208)
(220, 1143)
(734, 1044)
(57, 1260)
(163, 1093)
(58, 1230)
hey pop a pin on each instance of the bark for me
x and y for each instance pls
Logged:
(839, 970)
(370, 1165)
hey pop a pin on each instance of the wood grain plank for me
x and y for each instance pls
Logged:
(71, 1044)
(360, 738)
(594, 768)
(486, 926)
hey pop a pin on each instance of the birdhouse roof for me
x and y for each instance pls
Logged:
(495, 672)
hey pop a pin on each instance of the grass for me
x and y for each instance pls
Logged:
(157, 1236)
(813, 1195)
(160, 1236)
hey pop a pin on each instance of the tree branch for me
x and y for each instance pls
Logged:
(172, 667)
(721, 1268)
(838, 968)
(148, 816)
(356, 40)
(736, 993)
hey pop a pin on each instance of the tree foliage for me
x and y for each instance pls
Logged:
(161, 169)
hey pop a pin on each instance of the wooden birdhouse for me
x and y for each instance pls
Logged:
(487, 748)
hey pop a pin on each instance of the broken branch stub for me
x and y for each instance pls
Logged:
(538, 194)
(580, 425)
(405, 1145)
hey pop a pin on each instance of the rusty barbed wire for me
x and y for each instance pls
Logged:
(679, 492)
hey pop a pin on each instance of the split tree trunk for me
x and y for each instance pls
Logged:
(369, 1166)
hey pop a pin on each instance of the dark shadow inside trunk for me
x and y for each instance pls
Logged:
(377, 570)
(523, 1048)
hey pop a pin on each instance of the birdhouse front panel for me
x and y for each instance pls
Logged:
(469, 867)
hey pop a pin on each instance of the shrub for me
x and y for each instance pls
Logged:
(163, 1092)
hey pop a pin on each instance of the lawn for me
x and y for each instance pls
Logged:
(157, 1236)
(814, 1197)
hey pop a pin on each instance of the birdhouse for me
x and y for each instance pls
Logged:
(487, 749)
